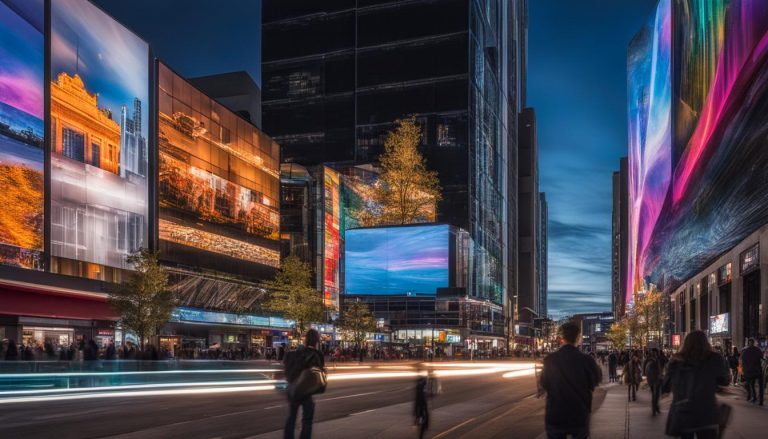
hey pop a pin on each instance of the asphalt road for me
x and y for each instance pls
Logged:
(489, 401)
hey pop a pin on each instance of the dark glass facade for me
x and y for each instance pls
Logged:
(336, 75)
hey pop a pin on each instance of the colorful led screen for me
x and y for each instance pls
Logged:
(712, 192)
(21, 132)
(100, 144)
(218, 183)
(397, 260)
(331, 236)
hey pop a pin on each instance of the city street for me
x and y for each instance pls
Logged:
(474, 399)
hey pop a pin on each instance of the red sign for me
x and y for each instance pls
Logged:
(675, 340)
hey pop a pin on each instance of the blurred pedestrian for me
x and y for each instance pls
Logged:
(613, 362)
(12, 352)
(752, 368)
(569, 377)
(632, 376)
(733, 364)
(652, 368)
(693, 376)
(296, 362)
(420, 410)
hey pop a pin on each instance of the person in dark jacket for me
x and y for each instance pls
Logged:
(632, 377)
(420, 409)
(693, 376)
(569, 377)
(613, 363)
(652, 369)
(12, 353)
(733, 364)
(751, 364)
(311, 357)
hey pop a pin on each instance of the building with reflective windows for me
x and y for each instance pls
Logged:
(336, 76)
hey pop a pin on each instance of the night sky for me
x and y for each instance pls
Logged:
(576, 83)
(577, 55)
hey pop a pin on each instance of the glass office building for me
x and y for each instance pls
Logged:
(336, 76)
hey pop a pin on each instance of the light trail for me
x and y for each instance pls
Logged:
(148, 372)
(519, 373)
(133, 394)
(137, 386)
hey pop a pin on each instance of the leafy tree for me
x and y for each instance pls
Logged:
(617, 334)
(356, 322)
(407, 191)
(143, 301)
(291, 294)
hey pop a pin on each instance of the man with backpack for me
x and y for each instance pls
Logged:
(301, 366)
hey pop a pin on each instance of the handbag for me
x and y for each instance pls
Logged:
(311, 382)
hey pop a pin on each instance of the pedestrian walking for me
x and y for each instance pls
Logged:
(613, 363)
(569, 377)
(420, 409)
(693, 375)
(752, 368)
(632, 377)
(652, 370)
(296, 362)
(733, 364)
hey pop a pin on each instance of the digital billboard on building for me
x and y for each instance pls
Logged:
(331, 236)
(218, 184)
(697, 187)
(21, 133)
(402, 260)
(99, 141)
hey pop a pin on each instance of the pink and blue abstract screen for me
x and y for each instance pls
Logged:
(397, 260)
(698, 183)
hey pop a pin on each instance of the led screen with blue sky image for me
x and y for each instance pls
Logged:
(397, 260)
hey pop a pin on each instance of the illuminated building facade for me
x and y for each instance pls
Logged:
(697, 93)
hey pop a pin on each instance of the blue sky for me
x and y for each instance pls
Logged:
(577, 85)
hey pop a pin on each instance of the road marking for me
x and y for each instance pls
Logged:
(360, 413)
(274, 407)
(453, 428)
(349, 396)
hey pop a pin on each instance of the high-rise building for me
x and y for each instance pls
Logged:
(542, 249)
(619, 231)
(528, 224)
(337, 75)
(133, 145)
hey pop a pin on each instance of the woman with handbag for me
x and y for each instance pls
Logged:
(693, 375)
(306, 376)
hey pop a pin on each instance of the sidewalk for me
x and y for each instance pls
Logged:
(617, 418)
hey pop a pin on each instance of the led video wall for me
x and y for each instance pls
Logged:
(397, 260)
(21, 132)
(331, 236)
(713, 193)
(218, 182)
(99, 137)
(649, 130)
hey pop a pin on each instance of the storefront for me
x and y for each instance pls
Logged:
(36, 315)
(195, 329)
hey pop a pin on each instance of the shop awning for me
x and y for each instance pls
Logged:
(28, 301)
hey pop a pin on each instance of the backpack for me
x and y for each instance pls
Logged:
(293, 364)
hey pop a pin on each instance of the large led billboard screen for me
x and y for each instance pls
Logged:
(649, 131)
(397, 260)
(331, 236)
(218, 183)
(99, 140)
(21, 132)
(712, 193)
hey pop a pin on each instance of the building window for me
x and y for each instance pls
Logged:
(73, 144)
(95, 157)
(724, 274)
(750, 259)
